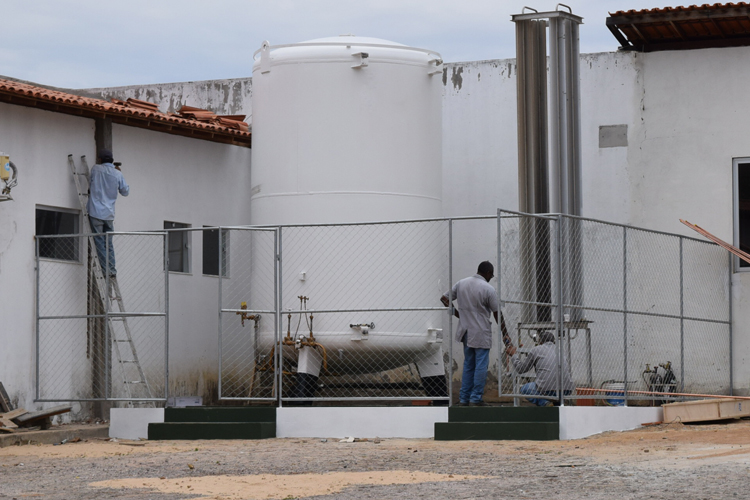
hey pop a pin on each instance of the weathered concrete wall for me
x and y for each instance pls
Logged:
(224, 97)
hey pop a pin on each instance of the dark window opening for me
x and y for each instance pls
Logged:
(743, 209)
(54, 222)
(179, 246)
(215, 252)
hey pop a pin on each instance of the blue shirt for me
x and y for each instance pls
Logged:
(106, 182)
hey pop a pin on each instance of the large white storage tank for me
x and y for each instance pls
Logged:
(348, 129)
(348, 123)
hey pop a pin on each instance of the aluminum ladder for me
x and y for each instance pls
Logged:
(131, 370)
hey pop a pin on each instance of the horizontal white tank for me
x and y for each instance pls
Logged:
(345, 129)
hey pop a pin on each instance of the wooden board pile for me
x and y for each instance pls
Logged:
(20, 419)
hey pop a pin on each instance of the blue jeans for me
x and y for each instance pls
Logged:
(106, 258)
(531, 389)
(475, 373)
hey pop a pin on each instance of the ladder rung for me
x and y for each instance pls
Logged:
(128, 361)
(135, 382)
(122, 340)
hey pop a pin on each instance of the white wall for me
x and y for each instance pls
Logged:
(171, 177)
(38, 143)
(685, 112)
(195, 182)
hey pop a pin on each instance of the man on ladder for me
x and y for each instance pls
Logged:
(106, 181)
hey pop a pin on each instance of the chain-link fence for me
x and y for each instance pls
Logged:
(248, 314)
(352, 312)
(361, 314)
(608, 312)
(101, 335)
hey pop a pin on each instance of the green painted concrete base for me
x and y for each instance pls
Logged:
(499, 423)
(533, 431)
(201, 422)
(210, 430)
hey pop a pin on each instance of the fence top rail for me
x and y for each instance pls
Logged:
(216, 228)
(88, 235)
(608, 223)
(380, 223)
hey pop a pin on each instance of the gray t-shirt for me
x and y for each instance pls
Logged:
(543, 359)
(475, 300)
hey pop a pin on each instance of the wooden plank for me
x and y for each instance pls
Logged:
(42, 414)
(734, 409)
(731, 248)
(704, 410)
(6, 429)
(13, 414)
(5, 422)
(5, 405)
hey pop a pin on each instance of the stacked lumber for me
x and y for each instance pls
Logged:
(13, 420)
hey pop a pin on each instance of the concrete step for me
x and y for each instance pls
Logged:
(211, 430)
(534, 431)
(221, 414)
(503, 414)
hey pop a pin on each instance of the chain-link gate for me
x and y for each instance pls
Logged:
(248, 318)
(612, 312)
(361, 317)
(101, 336)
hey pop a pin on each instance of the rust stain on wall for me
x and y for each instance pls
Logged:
(456, 77)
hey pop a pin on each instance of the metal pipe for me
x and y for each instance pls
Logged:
(682, 321)
(555, 203)
(36, 244)
(280, 298)
(107, 339)
(560, 317)
(450, 311)
(277, 312)
(655, 393)
(500, 343)
(221, 281)
(625, 314)
(166, 315)
(731, 329)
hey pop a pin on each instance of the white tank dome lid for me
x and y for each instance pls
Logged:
(341, 47)
(354, 40)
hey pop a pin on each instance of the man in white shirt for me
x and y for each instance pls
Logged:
(475, 300)
(543, 358)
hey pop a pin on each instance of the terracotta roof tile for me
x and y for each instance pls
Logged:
(677, 28)
(194, 122)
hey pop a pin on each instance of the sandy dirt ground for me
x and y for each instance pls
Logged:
(671, 461)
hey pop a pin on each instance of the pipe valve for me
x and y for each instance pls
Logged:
(363, 327)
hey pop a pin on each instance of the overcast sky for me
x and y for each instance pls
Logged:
(105, 43)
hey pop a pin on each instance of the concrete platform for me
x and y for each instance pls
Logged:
(55, 435)
(578, 422)
(575, 422)
(360, 422)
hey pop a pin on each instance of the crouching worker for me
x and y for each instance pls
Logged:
(543, 358)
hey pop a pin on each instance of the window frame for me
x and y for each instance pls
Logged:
(78, 241)
(736, 162)
(222, 252)
(183, 228)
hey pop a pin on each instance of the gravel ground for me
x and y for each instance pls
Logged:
(672, 461)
